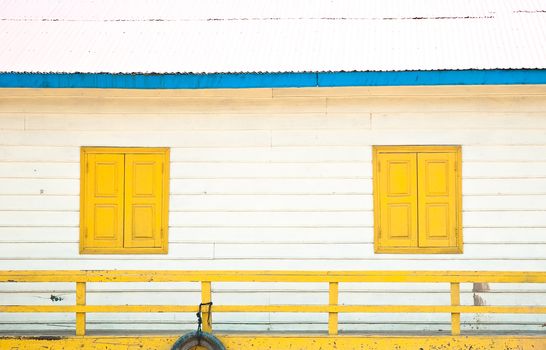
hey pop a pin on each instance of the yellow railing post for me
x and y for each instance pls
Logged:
(80, 301)
(206, 297)
(455, 301)
(333, 299)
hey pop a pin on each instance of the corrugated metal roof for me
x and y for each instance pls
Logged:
(215, 36)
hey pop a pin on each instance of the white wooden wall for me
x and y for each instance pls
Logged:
(274, 179)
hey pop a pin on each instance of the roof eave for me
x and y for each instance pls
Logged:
(272, 80)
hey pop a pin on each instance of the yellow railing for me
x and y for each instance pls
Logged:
(333, 278)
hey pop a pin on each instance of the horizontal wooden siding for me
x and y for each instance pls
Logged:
(275, 179)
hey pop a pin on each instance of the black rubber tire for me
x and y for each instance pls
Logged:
(192, 339)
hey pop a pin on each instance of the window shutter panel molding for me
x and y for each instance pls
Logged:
(398, 198)
(417, 199)
(437, 200)
(124, 200)
(143, 200)
(104, 201)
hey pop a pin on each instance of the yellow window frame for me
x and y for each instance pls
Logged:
(456, 149)
(163, 151)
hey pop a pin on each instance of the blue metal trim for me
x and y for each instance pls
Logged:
(445, 77)
(272, 80)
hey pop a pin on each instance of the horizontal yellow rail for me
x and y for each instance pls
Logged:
(272, 276)
(333, 278)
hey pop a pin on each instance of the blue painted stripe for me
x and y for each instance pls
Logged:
(272, 80)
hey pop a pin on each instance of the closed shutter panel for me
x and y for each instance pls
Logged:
(437, 199)
(398, 199)
(104, 201)
(143, 200)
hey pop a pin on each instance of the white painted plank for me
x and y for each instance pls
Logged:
(196, 138)
(174, 297)
(459, 120)
(218, 93)
(505, 219)
(388, 299)
(508, 299)
(206, 138)
(158, 105)
(271, 170)
(104, 288)
(499, 202)
(277, 318)
(39, 218)
(424, 104)
(272, 234)
(39, 202)
(39, 153)
(40, 170)
(234, 288)
(483, 91)
(90, 262)
(293, 251)
(40, 186)
(504, 235)
(504, 170)
(504, 186)
(271, 186)
(271, 219)
(515, 153)
(182, 251)
(39, 234)
(406, 137)
(270, 202)
(365, 251)
(177, 296)
(14, 122)
(169, 326)
(304, 154)
(266, 121)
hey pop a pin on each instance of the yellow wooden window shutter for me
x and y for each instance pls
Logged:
(103, 221)
(398, 199)
(143, 200)
(437, 199)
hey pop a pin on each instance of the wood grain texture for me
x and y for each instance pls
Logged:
(273, 179)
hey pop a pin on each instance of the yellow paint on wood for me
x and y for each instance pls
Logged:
(284, 342)
(455, 301)
(271, 276)
(144, 184)
(397, 192)
(102, 179)
(437, 173)
(206, 297)
(125, 199)
(332, 277)
(417, 199)
(333, 299)
(80, 301)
